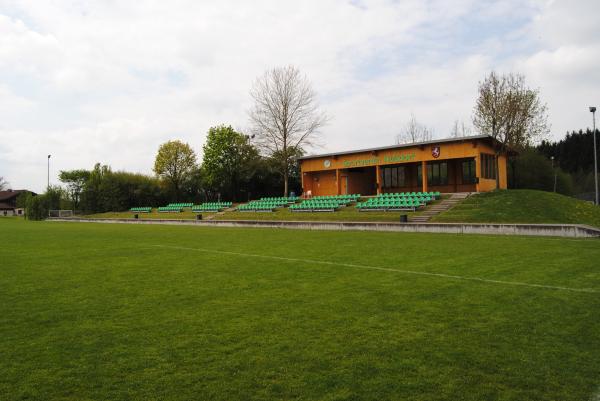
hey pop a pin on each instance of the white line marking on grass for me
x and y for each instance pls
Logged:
(420, 273)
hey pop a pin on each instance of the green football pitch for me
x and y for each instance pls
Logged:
(139, 312)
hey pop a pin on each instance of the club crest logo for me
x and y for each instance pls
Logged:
(327, 163)
(435, 152)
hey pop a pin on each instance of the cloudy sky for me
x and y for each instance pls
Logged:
(109, 81)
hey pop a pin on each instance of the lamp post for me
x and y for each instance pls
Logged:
(48, 184)
(593, 110)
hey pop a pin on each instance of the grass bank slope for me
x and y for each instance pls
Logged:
(522, 206)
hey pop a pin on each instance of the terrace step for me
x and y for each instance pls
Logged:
(213, 215)
(440, 207)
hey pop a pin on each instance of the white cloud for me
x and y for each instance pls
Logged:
(109, 81)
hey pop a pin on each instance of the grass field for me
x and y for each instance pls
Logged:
(522, 206)
(129, 312)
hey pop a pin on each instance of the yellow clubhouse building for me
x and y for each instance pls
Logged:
(466, 164)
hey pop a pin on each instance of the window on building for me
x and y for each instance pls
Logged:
(468, 172)
(437, 173)
(402, 176)
(488, 166)
(387, 177)
(392, 177)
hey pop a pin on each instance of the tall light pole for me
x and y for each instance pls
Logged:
(593, 110)
(48, 185)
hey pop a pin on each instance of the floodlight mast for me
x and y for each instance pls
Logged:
(593, 111)
(48, 183)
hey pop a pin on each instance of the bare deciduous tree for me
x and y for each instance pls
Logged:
(3, 184)
(460, 129)
(413, 132)
(285, 117)
(510, 112)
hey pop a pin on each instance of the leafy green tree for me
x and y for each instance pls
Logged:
(575, 155)
(532, 170)
(509, 112)
(229, 160)
(22, 200)
(193, 188)
(102, 189)
(36, 207)
(174, 163)
(54, 197)
(75, 181)
(91, 197)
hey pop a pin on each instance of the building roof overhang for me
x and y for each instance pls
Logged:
(408, 145)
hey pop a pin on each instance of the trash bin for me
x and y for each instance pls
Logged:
(135, 216)
(403, 218)
(198, 217)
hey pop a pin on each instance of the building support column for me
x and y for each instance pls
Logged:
(457, 167)
(302, 175)
(477, 171)
(337, 181)
(424, 176)
(378, 178)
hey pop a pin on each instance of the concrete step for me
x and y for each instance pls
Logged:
(438, 208)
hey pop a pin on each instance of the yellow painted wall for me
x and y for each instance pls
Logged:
(321, 183)
(396, 156)
(486, 185)
(326, 183)
(503, 168)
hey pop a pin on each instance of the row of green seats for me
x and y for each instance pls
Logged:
(390, 201)
(432, 194)
(257, 207)
(170, 209)
(350, 197)
(388, 205)
(312, 204)
(404, 196)
(422, 199)
(142, 209)
(271, 202)
(211, 204)
(207, 209)
(263, 204)
(180, 204)
(281, 198)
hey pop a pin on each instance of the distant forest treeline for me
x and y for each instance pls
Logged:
(573, 165)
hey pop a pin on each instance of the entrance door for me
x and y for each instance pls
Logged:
(344, 188)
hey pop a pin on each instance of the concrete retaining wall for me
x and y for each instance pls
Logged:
(546, 230)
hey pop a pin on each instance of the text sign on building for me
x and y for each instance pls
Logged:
(376, 160)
